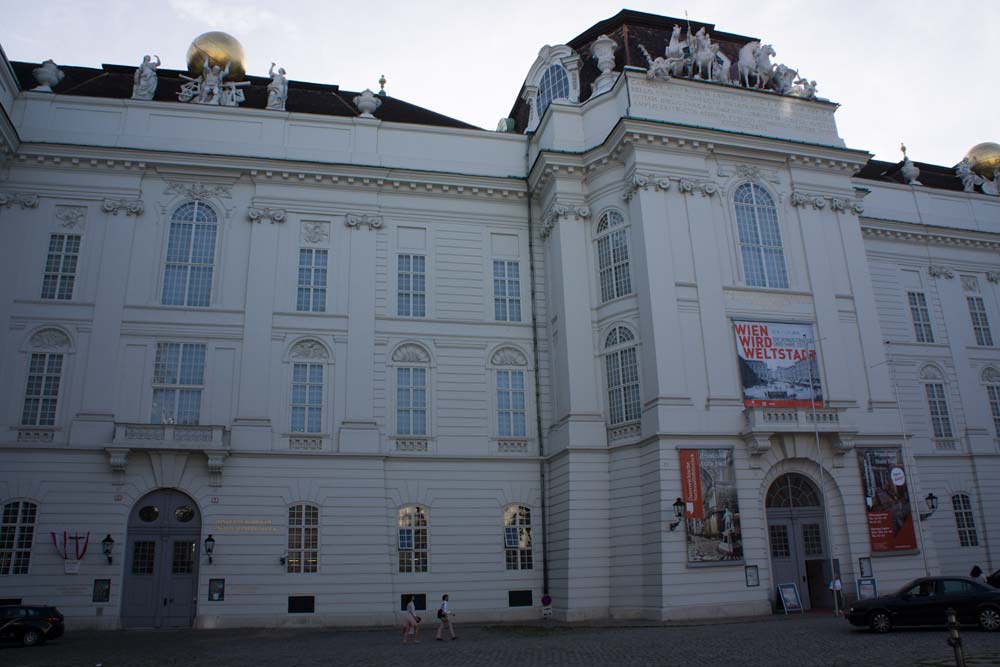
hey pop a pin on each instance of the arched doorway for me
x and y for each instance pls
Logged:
(797, 536)
(161, 561)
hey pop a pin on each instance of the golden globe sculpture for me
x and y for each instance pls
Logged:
(987, 156)
(221, 48)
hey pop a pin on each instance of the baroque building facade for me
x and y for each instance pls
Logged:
(283, 354)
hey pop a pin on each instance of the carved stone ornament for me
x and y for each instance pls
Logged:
(367, 102)
(991, 375)
(22, 199)
(662, 184)
(560, 210)
(633, 184)
(130, 206)
(603, 50)
(993, 276)
(211, 87)
(357, 220)
(410, 353)
(215, 462)
(261, 214)
(685, 186)
(71, 217)
(50, 339)
(309, 349)
(818, 202)
(970, 284)
(508, 356)
(940, 272)
(48, 76)
(199, 191)
(930, 372)
(757, 443)
(315, 232)
(748, 172)
(118, 461)
(843, 443)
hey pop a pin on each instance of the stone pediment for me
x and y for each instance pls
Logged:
(733, 109)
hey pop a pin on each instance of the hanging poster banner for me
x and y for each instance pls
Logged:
(711, 506)
(887, 500)
(778, 364)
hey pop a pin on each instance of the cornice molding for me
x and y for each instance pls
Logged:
(888, 233)
(22, 199)
(272, 215)
(558, 210)
(130, 206)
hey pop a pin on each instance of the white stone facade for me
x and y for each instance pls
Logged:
(319, 405)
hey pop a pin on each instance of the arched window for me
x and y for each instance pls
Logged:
(964, 520)
(553, 86)
(517, 537)
(412, 545)
(760, 238)
(791, 491)
(612, 256)
(17, 533)
(622, 369)
(187, 277)
(303, 538)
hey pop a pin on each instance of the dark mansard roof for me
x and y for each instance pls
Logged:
(931, 175)
(115, 81)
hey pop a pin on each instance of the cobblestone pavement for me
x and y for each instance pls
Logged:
(778, 640)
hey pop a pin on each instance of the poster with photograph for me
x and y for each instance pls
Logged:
(887, 500)
(711, 507)
(778, 364)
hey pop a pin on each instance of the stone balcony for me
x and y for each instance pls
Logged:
(761, 424)
(180, 439)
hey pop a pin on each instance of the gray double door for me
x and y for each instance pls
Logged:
(161, 562)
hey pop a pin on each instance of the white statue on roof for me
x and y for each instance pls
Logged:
(969, 178)
(212, 88)
(277, 90)
(144, 81)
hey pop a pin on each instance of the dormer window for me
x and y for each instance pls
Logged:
(553, 86)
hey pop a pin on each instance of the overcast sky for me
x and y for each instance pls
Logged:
(921, 71)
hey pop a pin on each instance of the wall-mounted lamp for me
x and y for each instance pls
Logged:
(107, 546)
(932, 505)
(678, 512)
(209, 547)
(283, 558)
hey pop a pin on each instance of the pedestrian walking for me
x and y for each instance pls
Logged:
(411, 629)
(444, 619)
(977, 574)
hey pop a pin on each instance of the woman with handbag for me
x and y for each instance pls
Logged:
(444, 619)
(410, 621)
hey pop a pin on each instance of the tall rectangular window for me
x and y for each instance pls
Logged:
(411, 401)
(412, 544)
(761, 248)
(506, 291)
(411, 286)
(938, 406)
(980, 323)
(60, 266)
(510, 404)
(311, 296)
(17, 534)
(187, 277)
(178, 380)
(41, 392)
(993, 392)
(303, 538)
(307, 398)
(965, 521)
(921, 317)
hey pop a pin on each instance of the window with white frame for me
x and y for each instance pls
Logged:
(993, 395)
(41, 391)
(921, 317)
(517, 537)
(307, 398)
(17, 534)
(412, 543)
(612, 256)
(980, 323)
(506, 290)
(60, 266)
(761, 250)
(411, 285)
(511, 415)
(937, 404)
(311, 294)
(411, 400)
(178, 381)
(187, 277)
(303, 538)
(553, 86)
(964, 520)
(622, 368)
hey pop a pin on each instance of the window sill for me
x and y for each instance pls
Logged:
(514, 445)
(412, 443)
(306, 442)
(36, 434)
(945, 444)
(624, 431)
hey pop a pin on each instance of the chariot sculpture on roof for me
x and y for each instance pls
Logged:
(212, 88)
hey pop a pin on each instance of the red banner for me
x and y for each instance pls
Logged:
(694, 508)
(887, 500)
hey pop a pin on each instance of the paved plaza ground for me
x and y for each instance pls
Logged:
(813, 639)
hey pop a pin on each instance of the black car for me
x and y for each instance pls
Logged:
(924, 601)
(30, 624)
